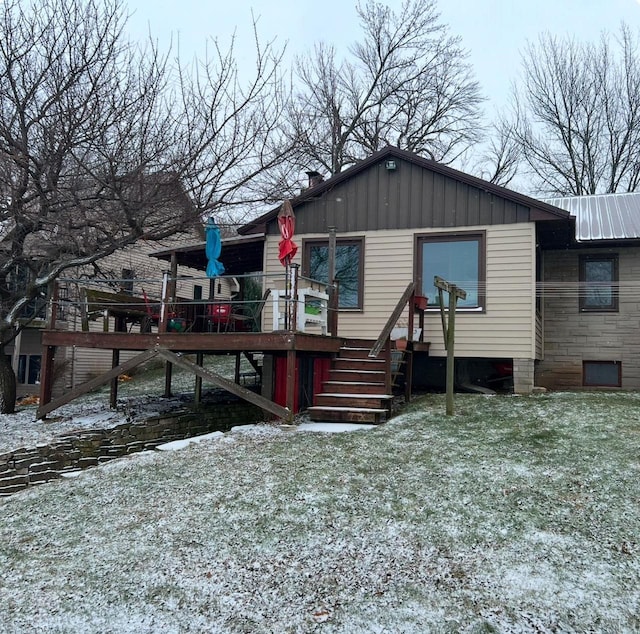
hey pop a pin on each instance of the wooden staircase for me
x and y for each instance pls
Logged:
(358, 389)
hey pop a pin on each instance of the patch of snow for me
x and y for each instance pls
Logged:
(334, 428)
(22, 429)
(72, 474)
(176, 445)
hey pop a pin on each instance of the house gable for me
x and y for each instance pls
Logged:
(411, 193)
(408, 197)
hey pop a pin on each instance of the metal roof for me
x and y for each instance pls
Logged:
(603, 216)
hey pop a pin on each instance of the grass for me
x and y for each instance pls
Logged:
(515, 515)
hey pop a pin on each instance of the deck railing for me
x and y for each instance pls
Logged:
(176, 304)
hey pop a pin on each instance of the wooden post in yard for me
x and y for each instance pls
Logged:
(449, 331)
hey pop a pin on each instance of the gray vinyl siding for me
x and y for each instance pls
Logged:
(571, 336)
(410, 197)
(84, 363)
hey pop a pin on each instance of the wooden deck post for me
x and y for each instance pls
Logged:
(53, 315)
(237, 368)
(197, 391)
(387, 367)
(46, 375)
(411, 316)
(291, 381)
(293, 297)
(168, 372)
(113, 392)
(162, 323)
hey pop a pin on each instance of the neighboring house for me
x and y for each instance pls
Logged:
(591, 291)
(401, 218)
(130, 270)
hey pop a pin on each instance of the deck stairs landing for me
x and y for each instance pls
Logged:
(356, 391)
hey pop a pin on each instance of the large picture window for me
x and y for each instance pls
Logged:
(457, 258)
(598, 283)
(349, 266)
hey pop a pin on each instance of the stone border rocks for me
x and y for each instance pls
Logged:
(74, 451)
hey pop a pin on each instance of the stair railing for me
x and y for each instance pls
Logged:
(384, 338)
(385, 333)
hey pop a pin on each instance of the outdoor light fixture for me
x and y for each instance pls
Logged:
(390, 165)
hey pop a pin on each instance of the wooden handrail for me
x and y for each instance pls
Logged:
(391, 322)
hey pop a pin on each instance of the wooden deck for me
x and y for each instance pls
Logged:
(299, 363)
(208, 343)
(170, 347)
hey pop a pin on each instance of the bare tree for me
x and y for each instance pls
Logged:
(99, 140)
(406, 83)
(577, 114)
(499, 161)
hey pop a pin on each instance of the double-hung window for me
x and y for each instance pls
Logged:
(29, 369)
(348, 264)
(599, 283)
(457, 258)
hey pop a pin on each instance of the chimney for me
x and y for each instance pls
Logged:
(315, 178)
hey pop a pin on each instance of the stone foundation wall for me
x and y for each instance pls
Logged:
(572, 336)
(25, 467)
(523, 376)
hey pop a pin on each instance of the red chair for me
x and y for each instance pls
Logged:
(219, 317)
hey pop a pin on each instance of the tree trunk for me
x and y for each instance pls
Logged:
(7, 385)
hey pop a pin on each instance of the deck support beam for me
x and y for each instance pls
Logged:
(168, 376)
(197, 390)
(46, 374)
(48, 405)
(291, 380)
(230, 386)
(113, 392)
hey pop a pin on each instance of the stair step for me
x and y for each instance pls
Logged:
(354, 353)
(374, 401)
(358, 343)
(348, 414)
(356, 375)
(355, 395)
(358, 364)
(348, 387)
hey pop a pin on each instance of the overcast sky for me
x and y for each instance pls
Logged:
(493, 31)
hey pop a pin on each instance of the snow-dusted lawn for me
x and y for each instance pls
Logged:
(516, 515)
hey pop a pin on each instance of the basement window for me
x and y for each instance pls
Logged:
(602, 373)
